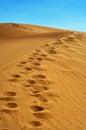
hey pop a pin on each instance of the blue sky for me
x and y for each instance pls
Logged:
(67, 14)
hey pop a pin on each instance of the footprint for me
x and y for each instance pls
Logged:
(8, 96)
(45, 87)
(13, 80)
(43, 114)
(40, 76)
(70, 39)
(35, 54)
(40, 96)
(35, 91)
(39, 59)
(28, 68)
(66, 46)
(51, 51)
(27, 86)
(59, 42)
(44, 55)
(38, 50)
(7, 99)
(51, 48)
(51, 93)
(36, 63)
(20, 65)
(44, 81)
(39, 68)
(23, 62)
(10, 93)
(35, 123)
(16, 76)
(31, 81)
(79, 37)
(31, 58)
(36, 108)
(38, 87)
(46, 45)
(11, 105)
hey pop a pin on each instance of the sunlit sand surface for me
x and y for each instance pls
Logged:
(42, 78)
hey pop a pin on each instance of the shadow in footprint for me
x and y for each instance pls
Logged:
(7, 99)
(36, 108)
(70, 39)
(35, 91)
(35, 123)
(40, 96)
(19, 65)
(43, 114)
(28, 68)
(39, 68)
(27, 86)
(10, 93)
(44, 55)
(11, 105)
(39, 76)
(51, 48)
(43, 81)
(30, 58)
(46, 45)
(8, 96)
(38, 50)
(39, 59)
(36, 63)
(31, 81)
(51, 51)
(35, 54)
(13, 80)
(23, 62)
(16, 76)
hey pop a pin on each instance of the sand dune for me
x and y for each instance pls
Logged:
(42, 78)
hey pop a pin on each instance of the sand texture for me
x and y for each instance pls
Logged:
(42, 78)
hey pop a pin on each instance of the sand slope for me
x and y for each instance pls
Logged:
(43, 78)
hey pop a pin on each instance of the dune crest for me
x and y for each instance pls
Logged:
(43, 78)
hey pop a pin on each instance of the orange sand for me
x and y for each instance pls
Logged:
(42, 78)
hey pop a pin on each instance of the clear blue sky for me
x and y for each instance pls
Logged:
(68, 14)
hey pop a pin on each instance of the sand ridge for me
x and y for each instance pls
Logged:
(46, 90)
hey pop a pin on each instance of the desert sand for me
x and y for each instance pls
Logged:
(42, 78)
